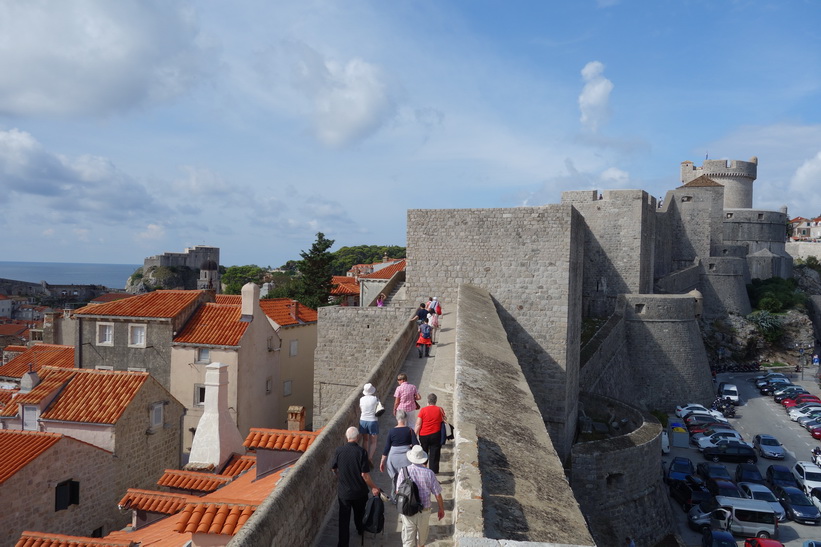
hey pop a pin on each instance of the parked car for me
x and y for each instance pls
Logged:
(702, 427)
(688, 492)
(679, 468)
(683, 410)
(695, 417)
(694, 438)
(788, 389)
(730, 453)
(808, 475)
(780, 475)
(718, 538)
(798, 399)
(761, 542)
(779, 398)
(714, 439)
(797, 505)
(773, 385)
(760, 492)
(797, 411)
(768, 447)
(768, 376)
(711, 470)
(748, 472)
(729, 391)
(723, 487)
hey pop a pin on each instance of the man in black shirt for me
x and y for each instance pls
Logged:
(421, 314)
(351, 466)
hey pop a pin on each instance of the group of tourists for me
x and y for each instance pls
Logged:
(427, 321)
(412, 450)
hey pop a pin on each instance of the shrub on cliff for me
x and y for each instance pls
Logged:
(768, 325)
(775, 294)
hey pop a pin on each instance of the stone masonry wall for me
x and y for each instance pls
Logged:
(615, 482)
(349, 342)
(723, 284)
(530, 260)
(29, 495)
(510, 483)
(291, 514)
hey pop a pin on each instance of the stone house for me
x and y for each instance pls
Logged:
(346, 289)
(34, 358)
(57, 483)
(5, 306)
(126, 413)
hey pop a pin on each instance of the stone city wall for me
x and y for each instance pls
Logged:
(804, 249)
(616, 480)
(349, 342)
(292, 513)
(680, 281)
(509, 480)
(724, 286)
(530, 260)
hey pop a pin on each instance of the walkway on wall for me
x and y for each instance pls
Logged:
(431, 375)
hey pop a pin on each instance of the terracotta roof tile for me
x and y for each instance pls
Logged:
(344, 289)
(280, 439)
(156, 502)
(39, 539)
(157, 304)
(702, 182)
(94, 396)
(12, 329)
(14, 348)
(39, 355)
(50, 381)
(110, 297)
(192, 480)
(214, 517)
(237, 464)
(279, 310)
(6, 396)
(387, 272)
(235, 299)
(214, 324)
(344, 279)
(19, 448)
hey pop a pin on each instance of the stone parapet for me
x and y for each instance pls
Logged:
(510, 483)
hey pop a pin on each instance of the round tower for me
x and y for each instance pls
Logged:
(735, 176)
(209, 276)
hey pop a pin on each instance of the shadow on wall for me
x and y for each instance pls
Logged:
(501, 506)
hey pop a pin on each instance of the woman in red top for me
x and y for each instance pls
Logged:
(429, 431)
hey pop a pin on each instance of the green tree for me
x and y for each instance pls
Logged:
(237, 276)
(314, 283)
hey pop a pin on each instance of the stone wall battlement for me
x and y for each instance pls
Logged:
(720, 169)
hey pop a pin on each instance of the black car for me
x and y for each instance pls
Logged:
(710, 470)
(679, 468)
(730, 453)
(771, 387)
(748, 472)
(723, 487)
(688, 492)
(797, 505)
(779, 475)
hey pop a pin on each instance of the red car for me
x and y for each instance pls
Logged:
(800, 399)
(816, 433)
(701, 428)
(755, 542)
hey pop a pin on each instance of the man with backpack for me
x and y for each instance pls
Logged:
(350, 464)
(415, 525)
(424, 339)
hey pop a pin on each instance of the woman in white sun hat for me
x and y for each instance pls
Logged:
(368, 422)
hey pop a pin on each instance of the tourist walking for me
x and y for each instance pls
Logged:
(415, 527)
(400, 439)
(380, 301)
(350, 464)
(405, 397)
(424, 340)
(429, 431)
(368, 422)
(433, 321)
(420, 314)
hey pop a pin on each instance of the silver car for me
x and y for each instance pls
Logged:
(768, 446)
(761, 492)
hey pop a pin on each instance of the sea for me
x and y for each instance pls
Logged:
(113, 276)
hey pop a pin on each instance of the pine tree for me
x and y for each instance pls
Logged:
(314, 288)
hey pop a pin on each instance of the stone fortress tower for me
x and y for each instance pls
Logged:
(735, 176)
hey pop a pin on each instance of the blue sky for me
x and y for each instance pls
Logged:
(131, 128)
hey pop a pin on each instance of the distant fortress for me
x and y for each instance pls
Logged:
(202, 258)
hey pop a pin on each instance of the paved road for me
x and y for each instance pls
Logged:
(760, 414)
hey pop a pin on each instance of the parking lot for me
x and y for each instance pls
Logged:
(759, 414)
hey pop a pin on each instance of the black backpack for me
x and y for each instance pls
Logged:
(374, 519)
(407, 494)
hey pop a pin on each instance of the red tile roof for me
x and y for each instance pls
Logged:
(39, 355)
(192, 480)
(701, 182)
(279, 310)
(12, 330)
(214, 518)
(87, 395)
(19, 448)
(157, 304)
(387, 272)
(39, 539)
(12, 347)
(6, 396)
(344, 279)
(280, 439)
(237, 464)
(110, 297)
(214, 324)
(235, 299)
(156, 502)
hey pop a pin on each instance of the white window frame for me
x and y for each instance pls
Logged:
(30, 415)
(132, 328)
(157, 415)
(199, 394)
(198, 355)
(100, 327)
(287, 388)
(104, 367)
(293, 348)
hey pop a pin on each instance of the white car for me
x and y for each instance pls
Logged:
(760, 492)
(808, 475)
(714, 439)
(681, 410)
(730, 391)
(796, 413)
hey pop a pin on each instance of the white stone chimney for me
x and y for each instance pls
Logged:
(250, 300)
(217, 436)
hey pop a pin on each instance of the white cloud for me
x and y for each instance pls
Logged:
(152, 233)
(613, 175)
(81, 234)
(807, 180)
(94, 56)
(594, 100)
